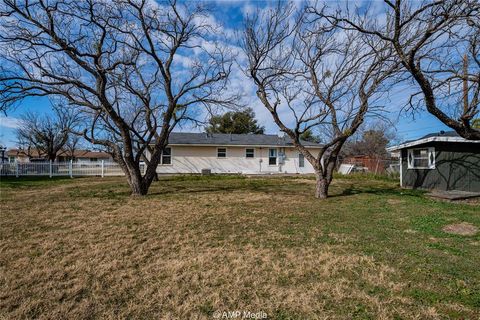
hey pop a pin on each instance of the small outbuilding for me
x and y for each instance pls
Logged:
(440, 161)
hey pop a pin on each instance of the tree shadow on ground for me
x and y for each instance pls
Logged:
(278, 187)
(378, 190)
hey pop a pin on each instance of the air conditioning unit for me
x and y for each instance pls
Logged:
(206, 172)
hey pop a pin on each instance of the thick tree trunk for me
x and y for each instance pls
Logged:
(321, 186)
(137, 186)
(149, 177)
(140, 185)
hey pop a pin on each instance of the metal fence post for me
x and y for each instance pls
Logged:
(71, 168)
(103, 168)
(50, 168)
(16, 169)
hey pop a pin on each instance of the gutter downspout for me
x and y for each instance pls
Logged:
(401, 169)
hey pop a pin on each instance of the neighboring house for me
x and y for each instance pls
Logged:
(442, 161)
(32, 155)
(233, 153)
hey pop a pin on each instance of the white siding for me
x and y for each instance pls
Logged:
(192, 159)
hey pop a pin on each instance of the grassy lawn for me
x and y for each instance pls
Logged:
(82, 248)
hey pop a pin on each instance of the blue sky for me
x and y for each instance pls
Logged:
(229, 14)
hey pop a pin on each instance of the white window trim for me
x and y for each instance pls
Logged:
(276, 157)
(171, 158)
(226, 153)
(246, 153)
(301, 155)
(430, 151)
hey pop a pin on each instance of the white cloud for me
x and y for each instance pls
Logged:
(248, 9)
(228, 2)
(9, 122)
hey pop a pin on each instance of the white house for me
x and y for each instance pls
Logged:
(233, 153)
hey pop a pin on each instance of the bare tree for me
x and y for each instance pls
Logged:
(437, 43)
(48, 134)
(135, 68)
(311, 77)
(371, 140)
(73, 144)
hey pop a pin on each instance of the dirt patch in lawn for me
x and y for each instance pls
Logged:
(463, 229)
(395, 201)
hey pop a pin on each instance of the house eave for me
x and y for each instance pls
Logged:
(237, 145)
(428, 140)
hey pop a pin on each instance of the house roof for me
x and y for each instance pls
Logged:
(449, 136)
(225, 139)
(34, 153)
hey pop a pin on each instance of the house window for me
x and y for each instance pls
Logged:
(11, 159)
(166, 156)
(91, 159)
(249, 153)
(301, 160)
(272, 157)
(221, 152)
(421, 158)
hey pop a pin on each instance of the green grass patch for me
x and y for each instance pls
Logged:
(32, 182)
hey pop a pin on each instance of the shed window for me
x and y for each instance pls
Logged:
(272, 157)
(421, 158)
(221, 152)
(249, 153)
(166, 156)
(301, 160)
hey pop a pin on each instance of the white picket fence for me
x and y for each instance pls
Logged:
(69, 169)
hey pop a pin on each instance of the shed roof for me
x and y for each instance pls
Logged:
(442, 136)
(226, 139)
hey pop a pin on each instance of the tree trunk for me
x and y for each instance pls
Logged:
(137, 186)
(140, 185)
(321, 187)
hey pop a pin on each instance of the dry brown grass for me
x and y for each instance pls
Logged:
(463, 229)
(85, 249)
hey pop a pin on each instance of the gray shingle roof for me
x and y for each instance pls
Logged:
(225, 139)
(450, 137)
(436, 134)
(441, 134)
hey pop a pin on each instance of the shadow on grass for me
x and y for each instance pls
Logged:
(32, 182)
(197, 184)
(244, 186)
(379, 190)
